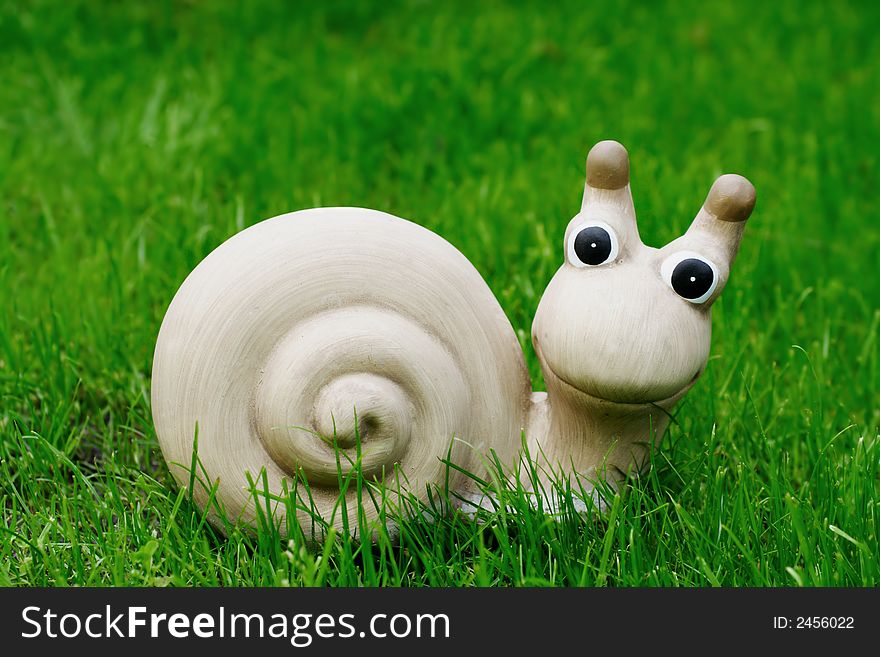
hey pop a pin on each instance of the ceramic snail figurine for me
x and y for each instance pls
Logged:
(320, 335)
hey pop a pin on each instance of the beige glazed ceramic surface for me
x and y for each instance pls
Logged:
(320, 335)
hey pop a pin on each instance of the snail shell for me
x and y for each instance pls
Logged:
(334, 323)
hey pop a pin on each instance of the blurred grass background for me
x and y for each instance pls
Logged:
(135, 137)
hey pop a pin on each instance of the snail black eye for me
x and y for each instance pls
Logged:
(692, 277)
(592, 244)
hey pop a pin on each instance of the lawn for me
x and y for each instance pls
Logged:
(135, 137)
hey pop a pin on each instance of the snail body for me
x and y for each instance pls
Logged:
(337, 338)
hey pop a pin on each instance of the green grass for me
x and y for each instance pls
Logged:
(135, 137)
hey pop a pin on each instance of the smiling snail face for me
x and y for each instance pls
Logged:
(625, 322)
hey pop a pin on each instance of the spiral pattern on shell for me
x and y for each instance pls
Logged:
(325, 337)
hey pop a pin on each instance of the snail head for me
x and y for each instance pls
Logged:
(629, 323)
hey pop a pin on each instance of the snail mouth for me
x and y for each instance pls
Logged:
(600, 398)
(665, 402)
